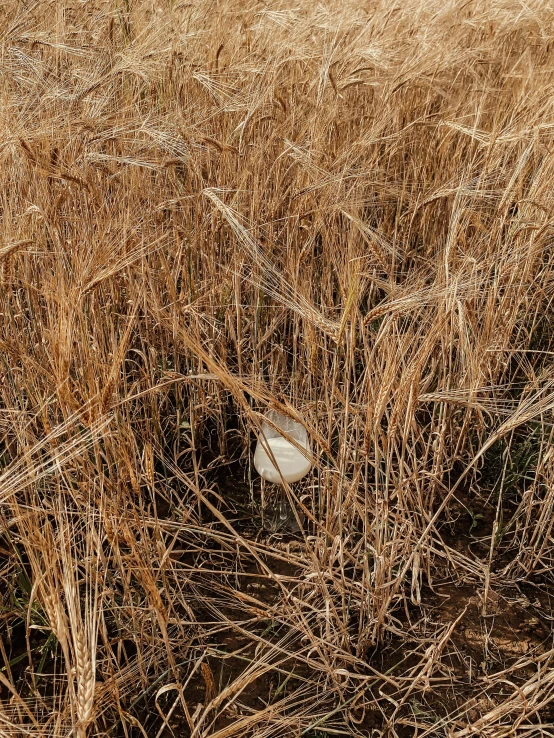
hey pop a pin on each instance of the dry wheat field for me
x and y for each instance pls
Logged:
(342, 210)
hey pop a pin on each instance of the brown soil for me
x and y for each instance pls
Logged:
(487, 633)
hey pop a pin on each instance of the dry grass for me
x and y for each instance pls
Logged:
(344, 210)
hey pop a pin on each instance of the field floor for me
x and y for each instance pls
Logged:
(475, 634)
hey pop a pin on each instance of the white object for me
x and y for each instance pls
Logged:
(291, 462)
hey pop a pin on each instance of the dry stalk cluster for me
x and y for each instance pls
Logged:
(343, 210)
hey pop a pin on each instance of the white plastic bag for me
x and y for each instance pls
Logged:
(292, 464)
